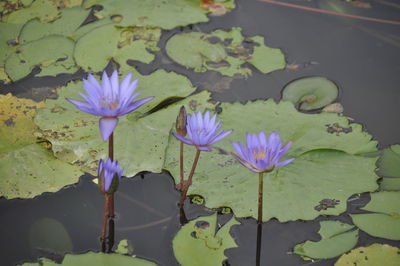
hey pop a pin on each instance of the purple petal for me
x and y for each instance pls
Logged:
(204, 148)
(133, 106)
(114, 83)
(107, 126)
(180, 138)
(284, 162)
(221, 135)
(125, 83)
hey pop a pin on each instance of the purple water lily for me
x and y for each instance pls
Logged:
(202, 132)
(261, 154)
(107, 171)
(109, 100)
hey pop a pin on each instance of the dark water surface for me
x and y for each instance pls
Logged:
(361, 57)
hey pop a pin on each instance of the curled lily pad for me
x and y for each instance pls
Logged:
(336, 239)
(199, 243)
(385, 221)
(375, 254)
(310, 93)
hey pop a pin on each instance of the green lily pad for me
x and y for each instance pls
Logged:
(389, 163)
(91, 258)
(38, 170)
(69, 21)
(266, 59)
(167, 14)
(310, 93)
(94, 50)
(140, 142)
(224, 51)
(45, 10)
(48, 234)
(385, 222)
(52, 53)
(375, 254)
(390, 184)
(318, 173)
(336, 239)
(8, 35)
(199, 243)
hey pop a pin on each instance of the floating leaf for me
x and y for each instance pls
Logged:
(8, 36)
(140, 142)
(223, 51)
(375, 254)
(317, 175)
(336, 239)
(199, 243)
(45, 10)
(310, 93)
(166, 14)
(38, 171)
(52, 53)
(389, 163)
(67, 24)
(49, 235)
(124, 247)
(385, 222)
(266, 59)
(94, 50)
(390, 184)
(91, 258)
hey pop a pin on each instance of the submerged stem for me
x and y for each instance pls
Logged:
(105, 219)
(260, 198)
(187, 184)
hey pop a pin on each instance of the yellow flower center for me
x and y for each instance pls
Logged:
(259, 155)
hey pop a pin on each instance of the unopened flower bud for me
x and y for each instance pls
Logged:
(181, 122)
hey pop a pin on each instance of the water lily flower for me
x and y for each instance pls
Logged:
(202, 132)
(109, 174)
(109, 100)
(260, 154)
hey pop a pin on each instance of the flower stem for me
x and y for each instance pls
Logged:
(260, 198)
(111, 156)
(187, 184)
(105, 219)
(181, 165)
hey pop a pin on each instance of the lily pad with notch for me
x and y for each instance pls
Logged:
(375, 254)
(202, 242)
(336, 239)
(310, 93)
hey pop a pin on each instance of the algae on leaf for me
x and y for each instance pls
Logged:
(167, 14)
(91, 258)
(201, 242)
(336, 238)
(385, 221)
(38, 170)
(327, 166)
(45, 10)
(140, 139)
(375, 254)
(224, 51)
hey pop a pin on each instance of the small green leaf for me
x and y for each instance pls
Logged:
(200, 242)
(310, 93)
(385, 222)
(45, 10)
(373, 255)
(336, 239)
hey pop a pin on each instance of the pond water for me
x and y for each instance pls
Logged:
(361, 57)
